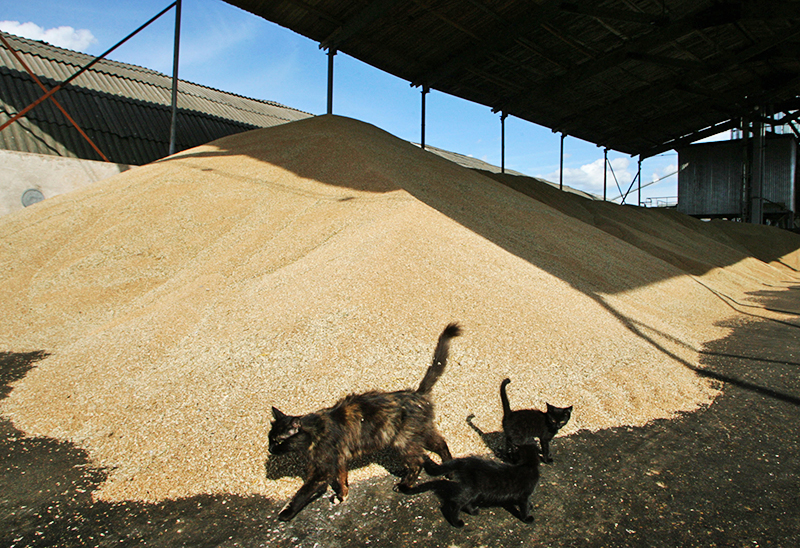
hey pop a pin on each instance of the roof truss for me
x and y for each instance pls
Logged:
(630, 75)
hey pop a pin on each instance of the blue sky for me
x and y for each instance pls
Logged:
(229, 49)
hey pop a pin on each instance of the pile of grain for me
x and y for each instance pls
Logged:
(292, 265)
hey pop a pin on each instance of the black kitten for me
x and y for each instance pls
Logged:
(361, 424)
(523, 426)
(483, 482)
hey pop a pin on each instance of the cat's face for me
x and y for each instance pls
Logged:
(559, 415)
(285, 433)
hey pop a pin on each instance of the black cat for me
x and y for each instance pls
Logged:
(523, 426)
(480, 481)
(361, 424)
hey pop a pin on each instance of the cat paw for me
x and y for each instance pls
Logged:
(406, 489)
(337, 500)
(286, 514)
(528, 519)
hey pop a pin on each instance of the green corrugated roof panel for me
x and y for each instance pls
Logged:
(123, 108)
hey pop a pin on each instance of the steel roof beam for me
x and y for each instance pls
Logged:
(617, 15)
(719, 102)
(355, 25)
(691, 138)
(484, 48)
(641, 46)
(664, 61)
(666, 70)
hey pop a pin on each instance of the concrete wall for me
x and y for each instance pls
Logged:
(23, 174)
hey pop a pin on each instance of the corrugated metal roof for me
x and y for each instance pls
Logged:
(637, 76)
(124, 109)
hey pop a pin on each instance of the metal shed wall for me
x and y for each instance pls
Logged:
(711, 178)
(780, 175)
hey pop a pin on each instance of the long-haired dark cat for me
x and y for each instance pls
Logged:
(479, 481)
(523, 426)
(360, 424)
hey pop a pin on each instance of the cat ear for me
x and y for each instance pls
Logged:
(277, 413)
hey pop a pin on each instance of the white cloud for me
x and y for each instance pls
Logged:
(667, 171)
(589, 177)
(62, 37)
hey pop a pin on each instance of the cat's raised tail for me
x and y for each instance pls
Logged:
(504, 397)
(439, 358)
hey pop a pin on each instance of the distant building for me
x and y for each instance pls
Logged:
(124, 109)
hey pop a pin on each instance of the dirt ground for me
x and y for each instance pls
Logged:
(728, 475)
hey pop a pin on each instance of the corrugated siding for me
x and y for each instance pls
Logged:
(710, 179)
(710, 182)
(779, 175)
(124, 109)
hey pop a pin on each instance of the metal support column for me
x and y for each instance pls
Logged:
(173, 129)
(503, 117)
(331, 54)
(605, 172)
(561, 165)
(747, 167)
(425, 91)
(639, 176)
(757, 173)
